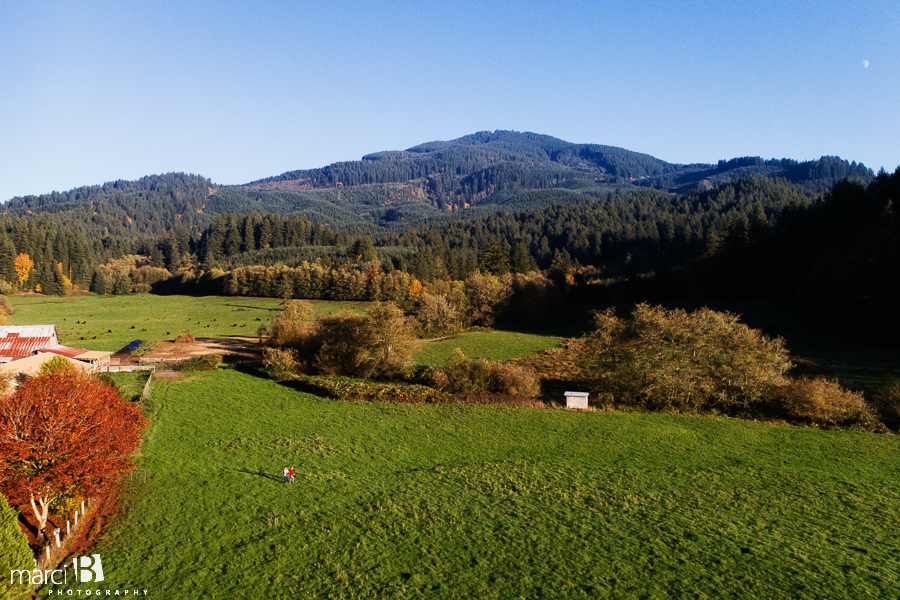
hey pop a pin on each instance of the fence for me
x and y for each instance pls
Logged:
(56, 548)
(56, 545)
(138, 474)
(146, 391)
(142, 360)
(125, 368)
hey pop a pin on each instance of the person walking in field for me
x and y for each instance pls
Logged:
(292, 474)
(286, 471)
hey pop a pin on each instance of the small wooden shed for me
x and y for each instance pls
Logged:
(98, 360)
(576, 399)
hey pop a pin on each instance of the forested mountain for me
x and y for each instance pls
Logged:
(496, 202)
(151, 205)
(490, 168)
(469, 177)
(837, 259)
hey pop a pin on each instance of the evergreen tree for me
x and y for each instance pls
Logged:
(265, 234)
(362, 249)
(7, 260)
(98, 283)
(48, 281)
(493, 259)
(14, 551)
(559, 268)
(59, 281)
(157, 257)
(173, 256)
(519, 258)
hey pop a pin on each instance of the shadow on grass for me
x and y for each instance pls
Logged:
(277, 478)
(569, 320)
(255, 368)
(306, 387)
(247, 307)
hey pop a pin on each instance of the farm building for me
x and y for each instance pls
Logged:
(21, 341)
(98, 360)
(31, 365)
(18, 342)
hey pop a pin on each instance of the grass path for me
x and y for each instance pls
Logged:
(413, 501)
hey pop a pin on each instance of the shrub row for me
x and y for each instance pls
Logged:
(202, 362)
(379, 345)
(660, 359)
(369, 391)
(824, 402)
(464, 375)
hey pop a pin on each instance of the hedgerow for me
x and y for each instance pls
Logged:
(341, 388)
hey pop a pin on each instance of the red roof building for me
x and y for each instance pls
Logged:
(63, 351)
(21, 341)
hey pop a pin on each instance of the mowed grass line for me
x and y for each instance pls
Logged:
(412, 501)
(492, 345)
(111, 322)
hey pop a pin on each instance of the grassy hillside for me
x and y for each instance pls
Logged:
(489, 502)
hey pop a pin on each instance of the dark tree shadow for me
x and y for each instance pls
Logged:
(277, 478)
(27, 525)
(245, 306)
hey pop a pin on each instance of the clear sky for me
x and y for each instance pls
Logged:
(94, 91)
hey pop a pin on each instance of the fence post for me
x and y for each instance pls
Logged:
(68, 527)
(146, 391)
(76, 517)
(56, 535)
(82, 509)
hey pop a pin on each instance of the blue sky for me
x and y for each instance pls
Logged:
(96, 91)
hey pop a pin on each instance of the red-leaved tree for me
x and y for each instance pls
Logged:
(64, 434)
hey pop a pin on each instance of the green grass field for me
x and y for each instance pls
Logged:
(492, 345)
(112, 322)
(130, 384)
(105, 323)
(419, 501)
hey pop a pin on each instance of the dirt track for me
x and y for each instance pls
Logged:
(202, 346)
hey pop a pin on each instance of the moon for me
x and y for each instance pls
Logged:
(865, 64)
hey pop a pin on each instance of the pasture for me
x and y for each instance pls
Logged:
(111, 322)
(455, 501)
(492, 345)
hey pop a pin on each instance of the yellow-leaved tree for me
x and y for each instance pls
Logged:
(23, 267)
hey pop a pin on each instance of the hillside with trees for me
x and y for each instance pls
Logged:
(469, 176)
(488, 167)
(600, 222)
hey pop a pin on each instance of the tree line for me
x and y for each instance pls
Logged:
(756, 236)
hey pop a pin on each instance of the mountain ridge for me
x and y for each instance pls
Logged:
(499, 170)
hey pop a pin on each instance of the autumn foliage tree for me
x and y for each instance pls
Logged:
(23, 265)
(64, 434)
(663, 359)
